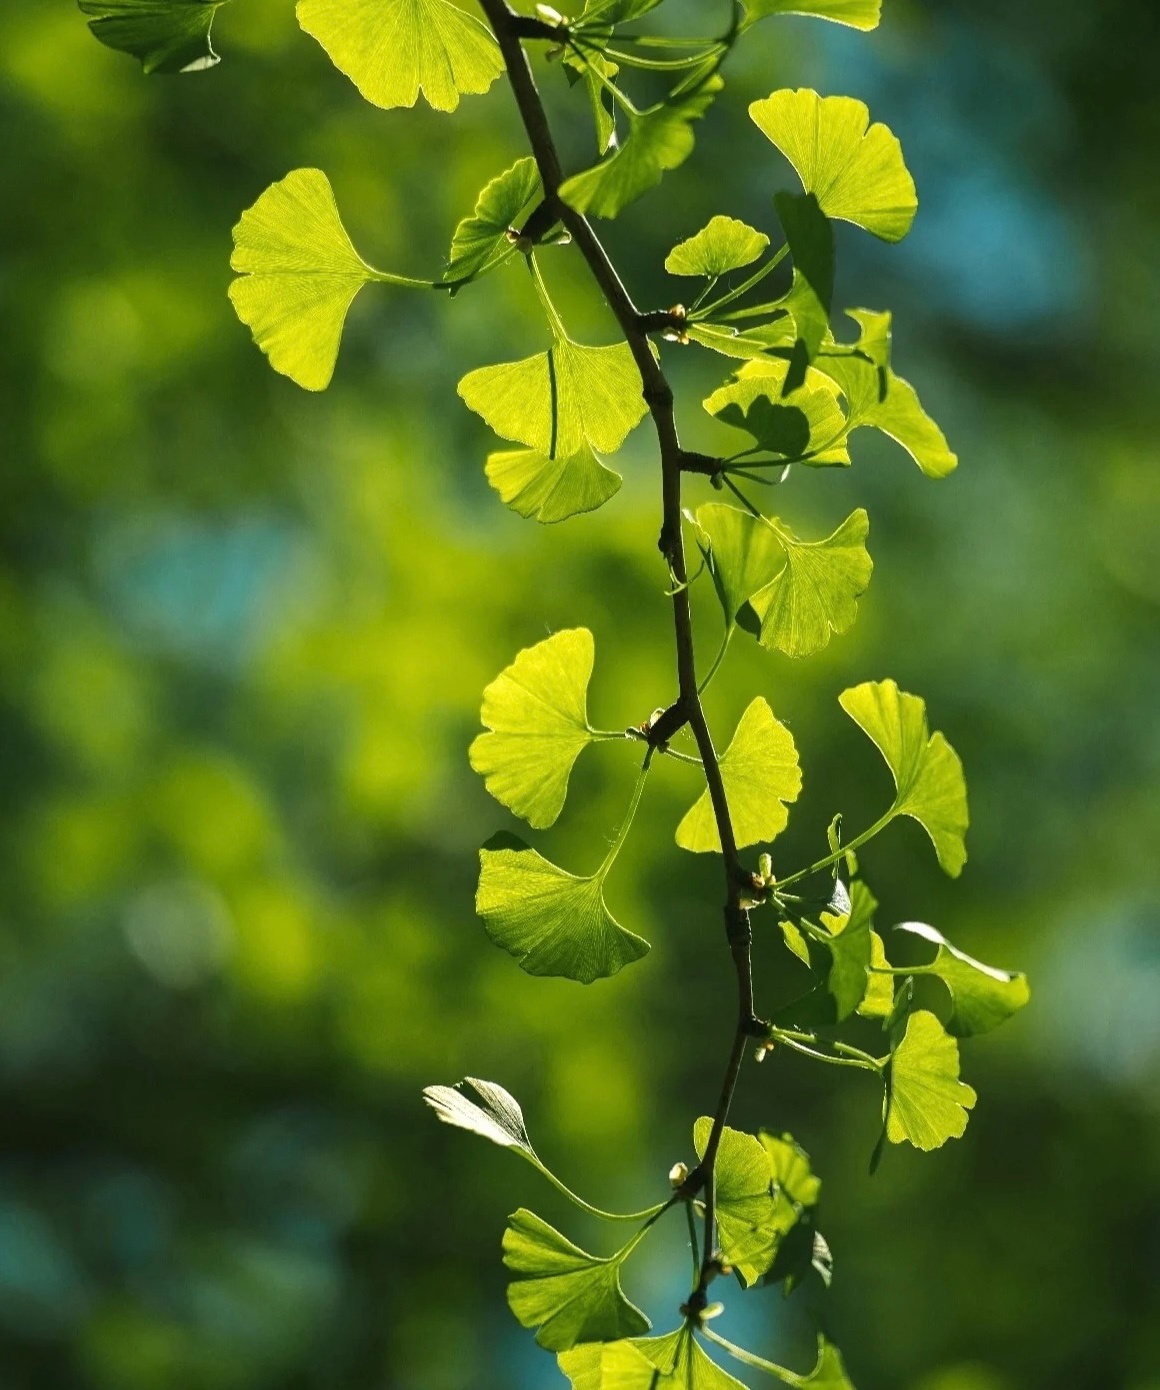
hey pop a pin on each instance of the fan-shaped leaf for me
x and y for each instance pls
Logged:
(761, 773)
(855, 169)
(816, 592)
(742, 552)
(482, 239)
(551, 489)
(498, 1118)
(166, 35)
(981, 996)
(673, 1362)
(394, 49)
(569, 1295)
(807, 424)
(558, 400)
(926, 1103)
(551, 921)
(858, 14)
(811, 242)
(722, 245)
(750, 1222)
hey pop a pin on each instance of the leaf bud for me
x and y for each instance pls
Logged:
(679, 1174)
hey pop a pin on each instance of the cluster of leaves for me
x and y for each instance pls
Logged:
(796, 396)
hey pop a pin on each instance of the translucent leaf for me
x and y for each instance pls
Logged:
(926, 769)
(569, 1295)
(742, 552)
(858, 14)
(982, 997)
(877, 397)
(482, 238)
(816, 592)
(761, 773)
(811, 242)
(926, 1103)
(807, 422)
(841, 963)
(850, 952)
(298, 276)
(724, 244)
(551, 921)
(559, 400)
(673, 1362)
(166, 35)
(499, 1117)
(658, 140)
(855, 169)
(790, 1170)
(394, 49)
(878, 1001)
(829, 1371)
(750, 1220)
(594, 67)
(746, 343)
(550, 490)
(602, 13)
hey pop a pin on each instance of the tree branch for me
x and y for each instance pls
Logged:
(658, 394)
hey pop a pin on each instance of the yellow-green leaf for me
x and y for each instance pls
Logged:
(807, 424)
(394, 49)
(722, 245)
(926, 1103)
(858, 14)
(982, 997)
(551, 489)
(855, 170)
(761, 774)
(741, 550)
(481, 240)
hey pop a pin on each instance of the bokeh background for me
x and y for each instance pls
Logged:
(243, 633)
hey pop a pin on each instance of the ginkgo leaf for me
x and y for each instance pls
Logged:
(298, 275)
(498, 1117)
(722, 245)
(606, 14)
(811, 243)
(166, 35)
(982, 997)
(808, 424)
(747, 344)
(658, 140)
(741, 551)
(761, 773)
(569, 1295)
(673, 1362)
(878, 1001)
(855, 170)
(815, 594)
(394, 49)
(558, 400)
(829, 1372)
(750, 1219)
(858, 14)
(926, 1103)
(840, 957)
(927, 772)
(551, 921)
(850, 952)
(482, 238)
(536, 710)
(551, 489)
(877, 397)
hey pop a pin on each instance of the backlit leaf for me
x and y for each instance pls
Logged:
(394, 49)
(829, 1372)
(854, 169)
(497, 1116)
(750, 1221)
(166, 35)
(298, 275)
(816, 592)
(748, 343)
(551, 921)
(742, 552)
(536, 710)
(858, 14)
(926, 769)
(811, 242)
(658, 140)
(981, 996)
(926, 1103)
(808, 422)
(551, 489)
(559, 400)
(724, 244)
(673, 1362)
(761, 773)
(482, 238)
(569, 1295)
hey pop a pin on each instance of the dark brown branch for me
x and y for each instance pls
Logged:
(658, 395)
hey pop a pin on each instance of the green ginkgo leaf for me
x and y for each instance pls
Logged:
(166, 35)
(742, 552)
(927, 772)
(496, 1115)
(551, 489)
(750, 1220)
(298, 274)
(658, 140)
(569, 1295)
(811, 243)
(926, 1103)
(599, 15)
(829, 1372)
(748, 343)
(876, 397)
(761, 774)
(878, 1001)
(850, 952)
(394, 49)
(551, 921)
(537, 712)
(858, 14)
(722, 245)
(982, 997)
(815, 594)
(560, 400)
(482, 240)
(808, 424)
(854, 169)
(673, 1362)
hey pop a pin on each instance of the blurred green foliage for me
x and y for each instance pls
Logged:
(243, 636)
